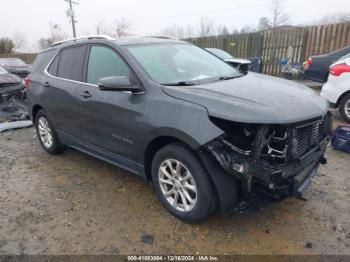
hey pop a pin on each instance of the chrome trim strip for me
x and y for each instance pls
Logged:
(46, 72)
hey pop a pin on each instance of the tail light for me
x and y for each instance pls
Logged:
(338, 69)
(25, 82)
(308, 62)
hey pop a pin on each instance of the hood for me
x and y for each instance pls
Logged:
(9, 78)
(254, 98)
(237, 60)
(23, 68)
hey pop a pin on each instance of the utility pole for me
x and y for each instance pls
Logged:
(70, 13)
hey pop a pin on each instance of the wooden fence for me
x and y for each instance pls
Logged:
(26, 57)
(293, 43)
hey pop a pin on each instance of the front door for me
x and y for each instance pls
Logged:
(109, 117)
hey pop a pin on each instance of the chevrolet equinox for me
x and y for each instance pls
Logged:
(203, 134)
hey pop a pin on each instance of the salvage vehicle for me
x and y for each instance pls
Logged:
(243, 65)
(10, 85)
(337, 88)
(15, 66)
(316, 67)
(200, 132)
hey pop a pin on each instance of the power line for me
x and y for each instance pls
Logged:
(204, 12)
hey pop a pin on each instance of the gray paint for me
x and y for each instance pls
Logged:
(255, 98)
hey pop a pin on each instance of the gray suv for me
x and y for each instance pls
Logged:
(183, 120)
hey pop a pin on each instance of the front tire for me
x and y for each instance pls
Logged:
(344, 108)
(183, 184)
(46, 133)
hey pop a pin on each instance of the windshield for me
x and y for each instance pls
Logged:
(172, 63)
(220, 53)
(12, 62)
(3, 71)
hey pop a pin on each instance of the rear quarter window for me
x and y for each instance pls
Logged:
(42, 60)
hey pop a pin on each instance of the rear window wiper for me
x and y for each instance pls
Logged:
(180, 83)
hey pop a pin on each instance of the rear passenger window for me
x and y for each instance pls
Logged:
(104, 62)
(54, 66)
(71, 63)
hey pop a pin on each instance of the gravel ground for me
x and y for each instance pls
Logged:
(75, 204)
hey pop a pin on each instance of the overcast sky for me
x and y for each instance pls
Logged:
(32, 17)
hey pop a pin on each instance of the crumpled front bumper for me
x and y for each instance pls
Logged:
(10, 91)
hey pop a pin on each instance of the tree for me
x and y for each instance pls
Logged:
(56, 34)
(279, 16)
(6, 45)
(100, 28)
(342, 17)
(174, 31)
(206, 27)
(20, 40)
(247, 29)
(221, 30)
(121, 27)
(264, 24)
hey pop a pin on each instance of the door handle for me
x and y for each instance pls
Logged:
(85, 94)
(47, 84)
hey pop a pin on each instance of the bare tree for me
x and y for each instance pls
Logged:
(56, 34)
(20, 40)
(101, 28)
(264, 24)
(174, 31)
(247, 29)
(6, 45)
(221, 30)
(279, 16)
(206, 27)
(190, 31)
(342, 17)
(121, 27)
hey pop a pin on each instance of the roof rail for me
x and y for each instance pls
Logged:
(162, 37)
(107, 37)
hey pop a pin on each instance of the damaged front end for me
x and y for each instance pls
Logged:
(279, 160)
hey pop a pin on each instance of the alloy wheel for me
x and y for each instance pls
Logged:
(45, 132)
(177, 185)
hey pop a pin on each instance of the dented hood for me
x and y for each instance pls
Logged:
(254, 98)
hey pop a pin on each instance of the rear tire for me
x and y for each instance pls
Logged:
(344, 108)
(179, 176)
(46, 133)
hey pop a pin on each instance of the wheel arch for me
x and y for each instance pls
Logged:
(341, 97)
(35, 110)
(158, 143)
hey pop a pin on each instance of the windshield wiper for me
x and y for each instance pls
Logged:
(229, 77)
(181, 83)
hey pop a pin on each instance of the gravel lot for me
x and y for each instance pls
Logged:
(75, 204)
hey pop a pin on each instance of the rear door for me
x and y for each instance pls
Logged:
(64, 79)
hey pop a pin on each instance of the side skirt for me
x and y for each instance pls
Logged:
(102, 154)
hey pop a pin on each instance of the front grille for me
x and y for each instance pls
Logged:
(307, 137)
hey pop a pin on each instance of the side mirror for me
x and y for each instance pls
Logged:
(117, 83)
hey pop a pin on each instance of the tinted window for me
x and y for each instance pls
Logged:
(42, 60)
(71, 63)
(54, 66)
(104, 62)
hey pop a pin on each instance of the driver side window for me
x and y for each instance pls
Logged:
(104, 62)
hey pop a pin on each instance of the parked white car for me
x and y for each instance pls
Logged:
(337, 88)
